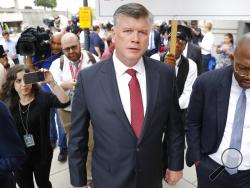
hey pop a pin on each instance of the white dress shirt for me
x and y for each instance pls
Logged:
(151, 41)
(123, 79)
(3, 74)
(10, 47)
(207, 43)
(225, 143)
(192, 75)
(65, 74)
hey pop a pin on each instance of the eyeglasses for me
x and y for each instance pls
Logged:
(241, 72)
(73, 48)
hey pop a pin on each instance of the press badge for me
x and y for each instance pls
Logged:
(28, 139)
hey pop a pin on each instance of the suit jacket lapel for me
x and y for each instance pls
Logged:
(110, 88)
(152, 80)
(223, 95)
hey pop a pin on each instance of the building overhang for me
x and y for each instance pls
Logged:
(11, 17)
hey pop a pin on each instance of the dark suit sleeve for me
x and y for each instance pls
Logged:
(199, 60)
(157, 40)
(174, 136)
(194, 123)
(12, 152)
(78, 136)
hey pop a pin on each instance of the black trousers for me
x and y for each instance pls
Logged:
(224, 180)
(41, 170)
(7, 180)
(205, 61)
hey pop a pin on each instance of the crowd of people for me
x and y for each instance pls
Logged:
(123, 107)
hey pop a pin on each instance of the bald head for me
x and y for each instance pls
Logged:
(57, 35)
(71, 46)
(69, 37)
(242, 61)
(56, 43)
(242, 40)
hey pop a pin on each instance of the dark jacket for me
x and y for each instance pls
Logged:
(194, 53)
(207, 113)
(11, 148)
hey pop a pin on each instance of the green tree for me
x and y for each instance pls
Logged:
(46, 3)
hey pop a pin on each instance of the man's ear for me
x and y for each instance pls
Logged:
(113, 34)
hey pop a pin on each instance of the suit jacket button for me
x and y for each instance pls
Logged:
(137, 149)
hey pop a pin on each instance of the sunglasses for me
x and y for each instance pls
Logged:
(73, 48)
(241, 72)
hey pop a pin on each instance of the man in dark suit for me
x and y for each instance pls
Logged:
(11, 148)
(217, 121)
(154, 42)
(194, 53)
(131, 101)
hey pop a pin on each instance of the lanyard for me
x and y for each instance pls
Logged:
(74, 75)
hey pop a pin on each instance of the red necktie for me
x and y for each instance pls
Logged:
(137, 114)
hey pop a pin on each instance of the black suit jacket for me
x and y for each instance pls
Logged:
(157, 38)
(194, 53)
(207, 113)
(120, 160)
(12, 152)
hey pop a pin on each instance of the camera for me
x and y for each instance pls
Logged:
(33, 77)
(49, 22)
(34, 41)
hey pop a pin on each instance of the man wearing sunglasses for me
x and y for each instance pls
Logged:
(218, 119)
(65, 71)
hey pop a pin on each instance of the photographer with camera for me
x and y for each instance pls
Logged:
(44, 59)
(5, 64)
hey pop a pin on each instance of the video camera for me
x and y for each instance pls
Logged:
(49, 22)
(34, 41)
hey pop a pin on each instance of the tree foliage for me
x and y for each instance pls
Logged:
(46, 3)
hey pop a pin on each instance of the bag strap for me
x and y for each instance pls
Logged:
(89, 56)
(61, 62)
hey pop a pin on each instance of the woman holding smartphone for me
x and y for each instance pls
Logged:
(30, 106)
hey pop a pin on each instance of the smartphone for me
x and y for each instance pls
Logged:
(33, 77)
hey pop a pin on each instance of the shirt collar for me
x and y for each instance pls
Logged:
(121, 69)
(178, 61)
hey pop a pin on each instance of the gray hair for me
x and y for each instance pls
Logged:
(134, 10)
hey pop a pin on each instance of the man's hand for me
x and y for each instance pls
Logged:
(170, 59)
(68, 85)
(172, 177)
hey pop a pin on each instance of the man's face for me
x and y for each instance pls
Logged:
(55, 45)
(72, 50)
(4, 61)
(6, 37)
(131, 36)
(180, 46)
(242, 65)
